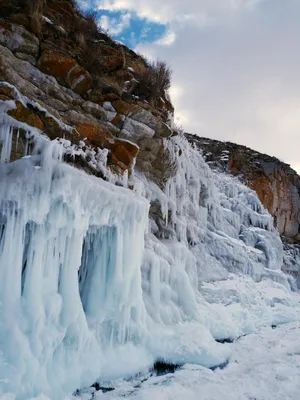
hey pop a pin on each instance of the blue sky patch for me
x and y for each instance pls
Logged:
(127, 27)
(130, 29)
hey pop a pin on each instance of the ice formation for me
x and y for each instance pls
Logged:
(91, 291)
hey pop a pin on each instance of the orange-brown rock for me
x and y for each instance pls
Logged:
(263, 187)
(5, 25)
(124, 108)
(95, 135)
(157, 113)
(73, 102)
(117, 121)
(56, 64)
(123, 153)
(54, 130)
(79, 80)
(279, 193)
(66, 70)
(7, 91)
(23, 114)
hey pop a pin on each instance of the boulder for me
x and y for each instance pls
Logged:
(32, 82)
(123, 153)
(94, 109)
(95, 135)
(139, 114)
(66, 70)
(135, 130)
(124, 108)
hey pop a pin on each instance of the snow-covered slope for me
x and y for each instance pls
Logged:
(91, 291)
(264, 365)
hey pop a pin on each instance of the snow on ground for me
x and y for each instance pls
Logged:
(263, 366)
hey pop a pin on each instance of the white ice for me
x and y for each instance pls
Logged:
(92, 289)
(263, 366)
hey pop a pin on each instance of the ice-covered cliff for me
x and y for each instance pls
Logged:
(91, 291)
(275, 182)
(119, 246)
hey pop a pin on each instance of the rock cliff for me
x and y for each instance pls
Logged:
(62, 75)
(275, 182)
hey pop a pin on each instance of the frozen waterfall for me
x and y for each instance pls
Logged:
(91, 291)
(70, 256)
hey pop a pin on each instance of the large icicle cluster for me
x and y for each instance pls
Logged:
(215, 268)
(88, 293)
(70, 286)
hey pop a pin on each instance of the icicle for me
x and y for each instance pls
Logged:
(5, 142)
(46, 216)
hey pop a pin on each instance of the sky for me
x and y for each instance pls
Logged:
(236, 64)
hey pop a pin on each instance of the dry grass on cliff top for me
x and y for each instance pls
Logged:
(150, 80)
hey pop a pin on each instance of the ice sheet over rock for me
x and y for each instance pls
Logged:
(88, 292)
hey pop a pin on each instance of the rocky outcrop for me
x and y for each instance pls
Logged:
(53, 82)
(275, 182)
(66, 71)
(22, 43)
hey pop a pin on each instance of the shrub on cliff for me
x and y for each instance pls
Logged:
(154, 81)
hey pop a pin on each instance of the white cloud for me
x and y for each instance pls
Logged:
(236, 68)
(115, 26)
(175, 10)
(238, 78)
(168, 39)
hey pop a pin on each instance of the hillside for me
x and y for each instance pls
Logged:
(80, 85)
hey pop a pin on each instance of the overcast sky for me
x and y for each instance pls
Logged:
(236, 64)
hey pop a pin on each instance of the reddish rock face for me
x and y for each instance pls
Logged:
(66, 70)
(124, 108)
(122, 152)
(279, 193)
(95, 135)
(263, 187)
